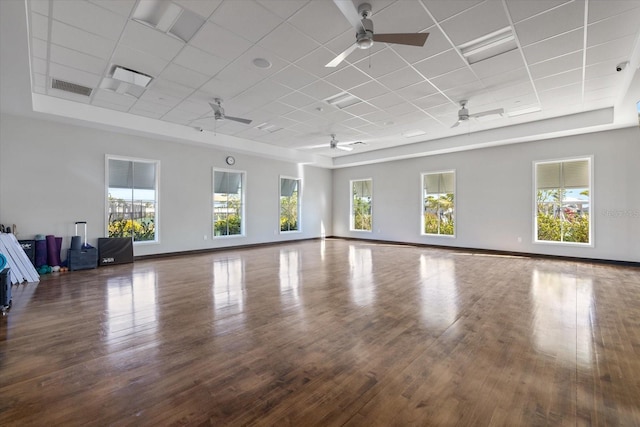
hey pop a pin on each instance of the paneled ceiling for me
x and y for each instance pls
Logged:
(563, 62)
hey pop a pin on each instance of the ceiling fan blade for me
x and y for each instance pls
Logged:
(238, 119)
(456, 124)
(344, 148)
(350, 12)
(489, 113)
(411, 39)
(338, 59)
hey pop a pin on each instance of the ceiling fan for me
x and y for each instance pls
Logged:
(365, 36)
(463, 113)
(335, 145)
(218, 112)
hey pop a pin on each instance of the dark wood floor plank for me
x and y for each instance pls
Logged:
(326, 333)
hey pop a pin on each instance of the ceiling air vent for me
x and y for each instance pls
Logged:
(70, 87)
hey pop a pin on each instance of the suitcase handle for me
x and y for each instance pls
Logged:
(81, 222)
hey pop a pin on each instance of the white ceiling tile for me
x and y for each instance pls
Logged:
(321, 90)
(436, 43)
(184, 76)
(557, 21)
(487, 17)
(169, 88)
(381, 63)
(559, 80)
(417, 90)
(293, 77)
(518, 90)
(549, 98)
(202, 8)
(246, 19)
(520, 10)
(556, 65)
(431, 101)
(348, 77)
(401, 78)
(609, 50)
(459, 77)
(220, 42)
(108, 105)
(141, 37)
(121, 7)
(89, 17)
(402, 109)
(440, 64)
(607, 82)
(368, 90)
(550, 48)
(290, 43)
(603, 9)
(509, 78)
(39, 26)
(356, 122)
(139, 61)
(313, 17)
(386, 100)
(200, 61)
(76, 39)
(72, 75)
(79, 60)
(444, 9)
(39, 48)
(261, 94)
(151, 107)
(283, 8)
(231, 81)
(361, 108)
(297, 100)
(613, 28)
(146, 113)
(199, 108)
(276, 109)
(180, 117)
(499, 64)
(39, 80)
(40, 6)
(300, 116)
(413, 18)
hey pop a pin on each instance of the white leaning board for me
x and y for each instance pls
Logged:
(17, 260)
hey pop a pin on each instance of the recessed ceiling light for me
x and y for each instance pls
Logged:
(343, 100)
(262, 63)
(488, 46)
(522, 111)
(131, 76)
(412, 133)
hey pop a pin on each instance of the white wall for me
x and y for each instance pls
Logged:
(53, 174)
(495, 196)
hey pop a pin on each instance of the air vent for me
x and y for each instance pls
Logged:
(70, 87)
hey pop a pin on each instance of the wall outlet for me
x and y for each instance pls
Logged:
(519, 239)
(204, 237)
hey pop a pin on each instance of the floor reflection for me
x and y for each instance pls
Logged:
(562, 307)
(289, 274)
(228, 283)
(363, 291)
(438, 291)
(132, 304)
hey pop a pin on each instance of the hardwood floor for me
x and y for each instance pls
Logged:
(327, 333)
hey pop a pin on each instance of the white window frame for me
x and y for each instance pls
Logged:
(243, 197)
(592, 210)
(298, 205)
(351, 213)
(455, 204)
(156, 220)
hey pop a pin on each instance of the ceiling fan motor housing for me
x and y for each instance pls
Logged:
(364, 38)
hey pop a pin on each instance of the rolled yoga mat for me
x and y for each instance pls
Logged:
(53, 250)
(3, 262)
(41, 253)
(76, 243)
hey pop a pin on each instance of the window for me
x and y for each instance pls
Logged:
(563, 196)
(361, 196)
(438, 203)
(289, 204)
(132, 199)
(228, 203)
